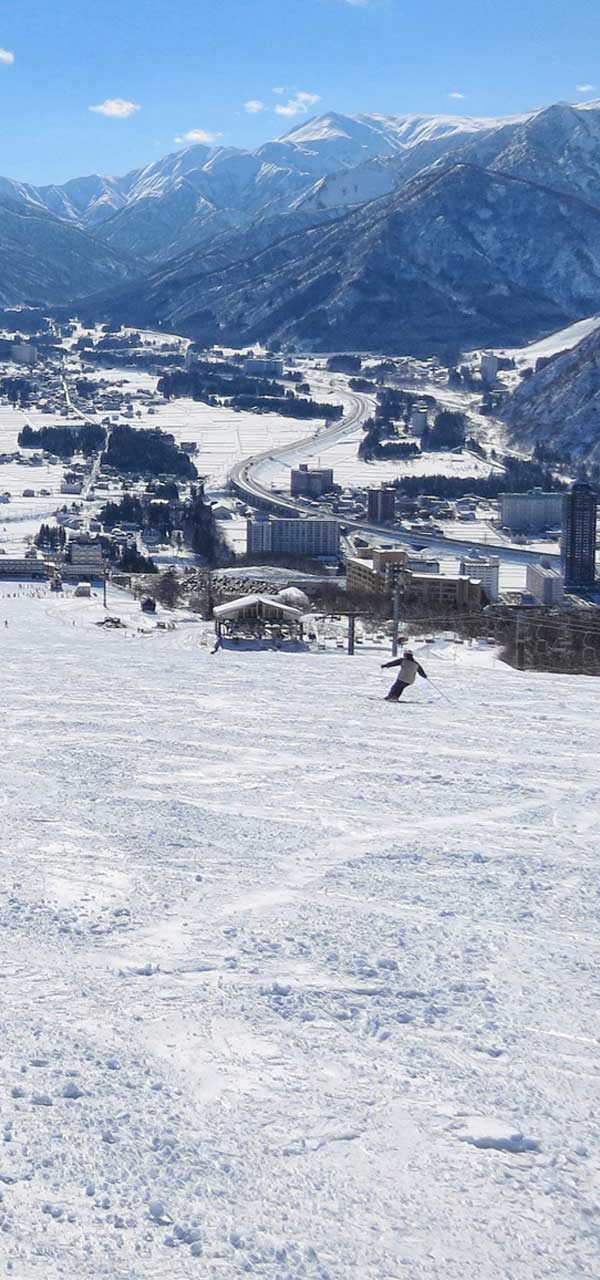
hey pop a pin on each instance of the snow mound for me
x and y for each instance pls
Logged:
(294, 597)
(493, 1135)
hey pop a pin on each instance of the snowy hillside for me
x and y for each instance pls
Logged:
(295, 983)
(560, 405)
(44, 259)
(552, 345)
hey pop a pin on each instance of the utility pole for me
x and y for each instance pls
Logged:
(104, 589)
(396, 618)
(519, 644)
(351, 633)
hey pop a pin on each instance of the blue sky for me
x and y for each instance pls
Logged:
(160, 70)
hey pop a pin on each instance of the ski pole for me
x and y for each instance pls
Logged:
(440, 691)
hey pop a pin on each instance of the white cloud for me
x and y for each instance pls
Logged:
(457, 95)
(298, 105)
(585, 88)
(280, 90)
(118, 108)
(199, 135)
(254, 106)
(6, 56)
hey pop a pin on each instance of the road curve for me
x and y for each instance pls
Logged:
(259, 495)
(359, 408)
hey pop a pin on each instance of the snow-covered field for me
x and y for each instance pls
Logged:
(294, 983)
(223, 436)
(20, 519)
(350, 471)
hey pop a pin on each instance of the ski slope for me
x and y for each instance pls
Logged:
(295, 983)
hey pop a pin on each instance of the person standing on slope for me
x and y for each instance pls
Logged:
(406, 675)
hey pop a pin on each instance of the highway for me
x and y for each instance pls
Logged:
(359, 407)
(256, 494)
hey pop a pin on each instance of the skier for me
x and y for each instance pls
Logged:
(406, 675)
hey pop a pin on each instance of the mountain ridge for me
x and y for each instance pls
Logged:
(366, 230)
(278, 173)
(43, 258)
(405, 272)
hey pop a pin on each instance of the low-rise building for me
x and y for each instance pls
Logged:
(26, 566)
(443, 591)
(83, 558)
(488, 367)
(487, 571)
(258, 617)
(418, 420)
(422, 564)
(264, 366)
(310, 482)
(374, 571)
(18, 352)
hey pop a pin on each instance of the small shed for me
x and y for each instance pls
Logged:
(83, 590)
(258, 617)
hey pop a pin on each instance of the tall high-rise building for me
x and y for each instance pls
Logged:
(579, 538)
(381, 504)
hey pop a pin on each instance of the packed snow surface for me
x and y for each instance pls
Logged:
(295, 983)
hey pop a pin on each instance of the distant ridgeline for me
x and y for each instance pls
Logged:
(216, 383)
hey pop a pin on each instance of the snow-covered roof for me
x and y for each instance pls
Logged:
(235, 607)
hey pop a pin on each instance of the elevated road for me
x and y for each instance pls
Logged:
(358, 408)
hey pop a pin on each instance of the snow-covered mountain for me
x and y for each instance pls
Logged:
(188, 197)
(44, 259)
(560, 404)
(382, 273)
(558, 147)
(461, 257)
